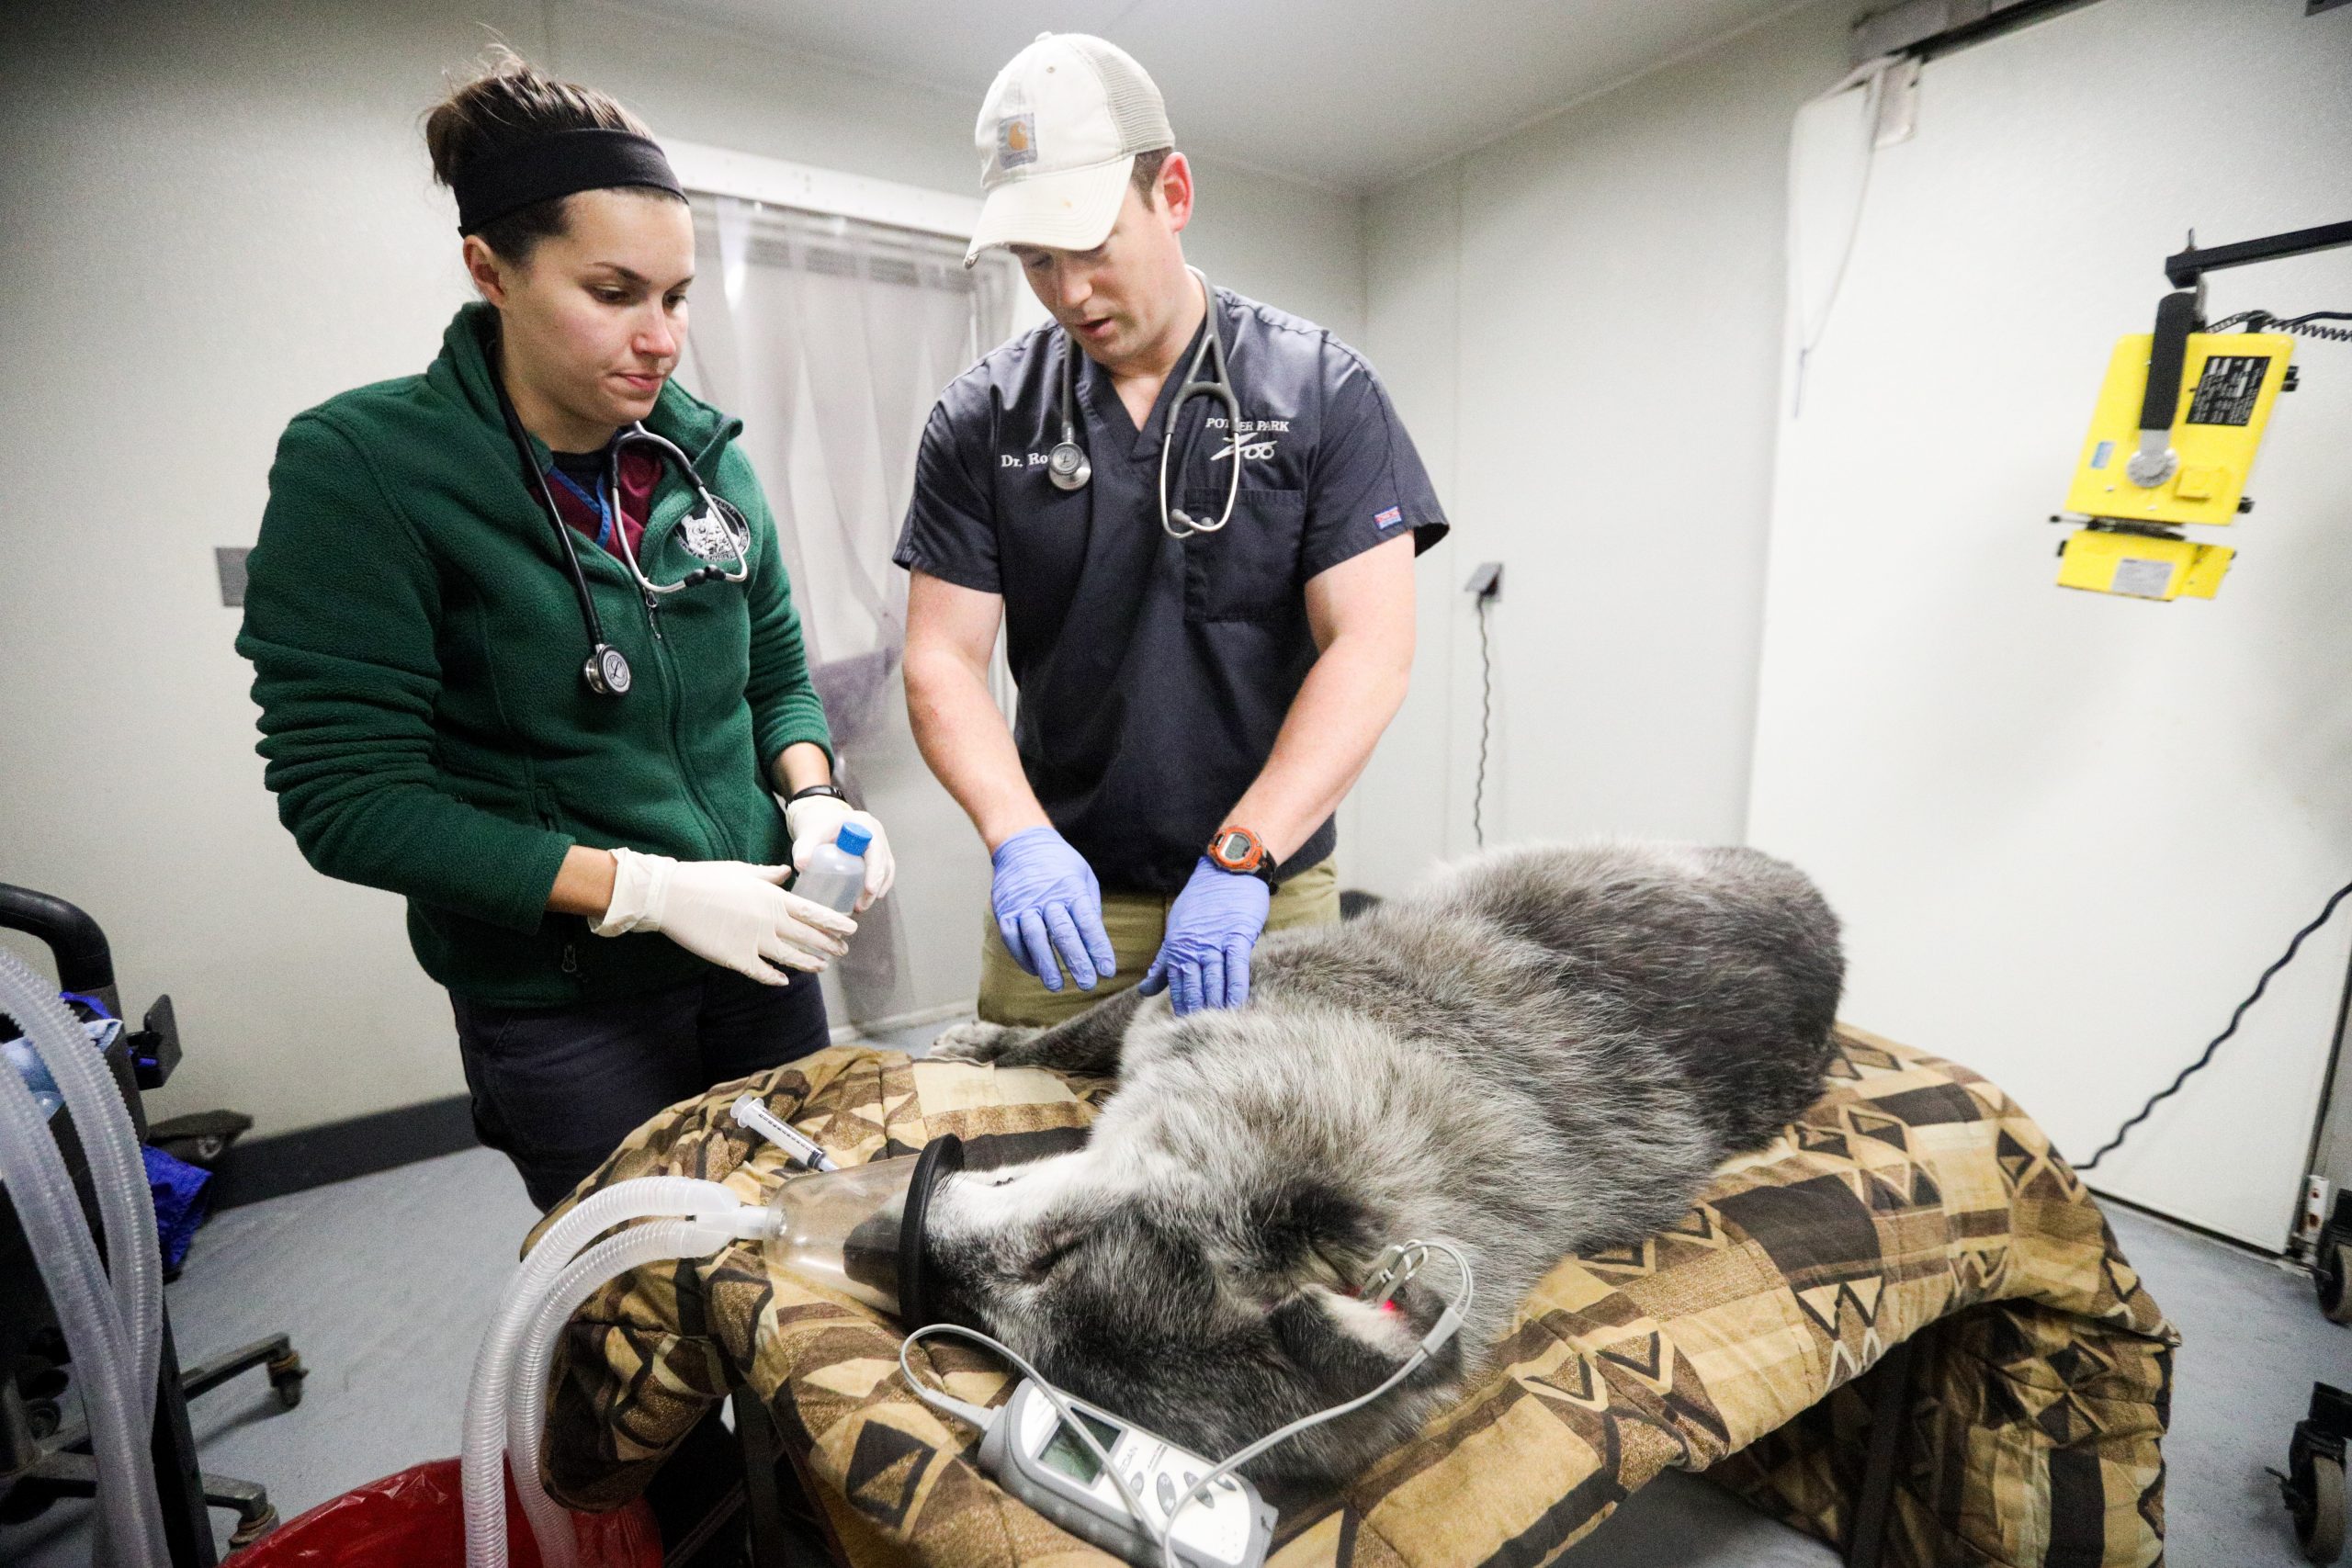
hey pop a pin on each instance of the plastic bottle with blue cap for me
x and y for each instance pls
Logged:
(835, 874)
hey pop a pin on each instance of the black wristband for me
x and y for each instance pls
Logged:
(833, 790)
(1263, 871)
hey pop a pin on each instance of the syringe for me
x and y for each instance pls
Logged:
(799, 1146)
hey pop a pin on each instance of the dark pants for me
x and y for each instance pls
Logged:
(556, 1090)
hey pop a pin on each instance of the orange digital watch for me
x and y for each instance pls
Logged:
(1242, 853)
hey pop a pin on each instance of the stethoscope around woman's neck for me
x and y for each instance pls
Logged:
(606, 670)
(1067, 466)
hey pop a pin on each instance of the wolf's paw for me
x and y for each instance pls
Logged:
(979, 1041)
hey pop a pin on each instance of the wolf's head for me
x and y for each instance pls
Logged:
(1209, 1308)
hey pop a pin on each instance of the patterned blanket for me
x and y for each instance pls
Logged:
(1914, 1202)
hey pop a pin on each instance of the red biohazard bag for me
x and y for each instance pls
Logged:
(417, 1518)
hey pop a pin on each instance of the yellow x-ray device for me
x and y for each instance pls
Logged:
(2173, 438)
(2139, 483)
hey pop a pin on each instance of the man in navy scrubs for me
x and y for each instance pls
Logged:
(1195, 699)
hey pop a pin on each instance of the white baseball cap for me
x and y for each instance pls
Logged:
(1058, 135)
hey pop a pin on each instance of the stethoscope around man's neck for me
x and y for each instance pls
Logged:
(1067, 466)
(606, 671)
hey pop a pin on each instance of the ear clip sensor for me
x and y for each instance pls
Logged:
(1397, 1263)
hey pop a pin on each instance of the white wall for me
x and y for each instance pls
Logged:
(2066, 830)
(1580, 324)
(1404, 810)
(219, 213)
(1291, 243)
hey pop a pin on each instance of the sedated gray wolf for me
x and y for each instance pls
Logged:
(1546, 1050)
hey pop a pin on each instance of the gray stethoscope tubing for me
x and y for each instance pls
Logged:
(731, 522)
(1174, 520)
(1068, 467)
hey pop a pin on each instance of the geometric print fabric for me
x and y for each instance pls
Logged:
(1914, 1202)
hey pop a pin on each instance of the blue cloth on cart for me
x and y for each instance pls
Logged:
(180, 1201)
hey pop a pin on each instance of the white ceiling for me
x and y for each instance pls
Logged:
(1347, 94)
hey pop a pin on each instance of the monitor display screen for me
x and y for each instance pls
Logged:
(1067, 1453)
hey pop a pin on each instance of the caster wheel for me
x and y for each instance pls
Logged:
(286, 1381)
(2334, 1277)
(251, 1530)
(2319, 1513)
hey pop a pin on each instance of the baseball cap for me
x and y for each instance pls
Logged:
(1058, 135)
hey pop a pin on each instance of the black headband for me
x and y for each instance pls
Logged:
(557, 164)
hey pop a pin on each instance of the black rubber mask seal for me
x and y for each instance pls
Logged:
(944, 1155)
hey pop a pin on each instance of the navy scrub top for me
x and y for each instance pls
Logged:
(1154, 673)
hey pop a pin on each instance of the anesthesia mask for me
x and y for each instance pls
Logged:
(860, 1231)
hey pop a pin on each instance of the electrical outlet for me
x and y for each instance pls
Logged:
(230, 561)
(2315, 1214)
(1487, 581)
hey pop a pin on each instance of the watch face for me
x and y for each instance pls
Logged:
(1236, 848)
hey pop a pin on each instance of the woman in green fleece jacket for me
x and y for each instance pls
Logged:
(593, 876)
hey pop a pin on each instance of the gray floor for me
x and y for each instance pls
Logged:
(386, 1284)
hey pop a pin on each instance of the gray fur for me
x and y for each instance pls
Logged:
(1545, 1051)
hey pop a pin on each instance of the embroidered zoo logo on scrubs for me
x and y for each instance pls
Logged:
(1255, 441)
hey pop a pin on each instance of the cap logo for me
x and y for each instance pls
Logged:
(1016, 140)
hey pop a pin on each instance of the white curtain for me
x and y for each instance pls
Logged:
(831, 338)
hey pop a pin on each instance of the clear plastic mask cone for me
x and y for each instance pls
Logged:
(846, 1230)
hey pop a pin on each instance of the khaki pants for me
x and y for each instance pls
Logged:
(1134, 923)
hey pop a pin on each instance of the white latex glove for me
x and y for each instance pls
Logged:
(725, 911)
(815, 819)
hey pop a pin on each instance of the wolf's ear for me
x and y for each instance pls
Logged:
(1304, 1231)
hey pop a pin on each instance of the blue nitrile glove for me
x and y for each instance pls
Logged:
(1047, 903)
(1203, 960)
